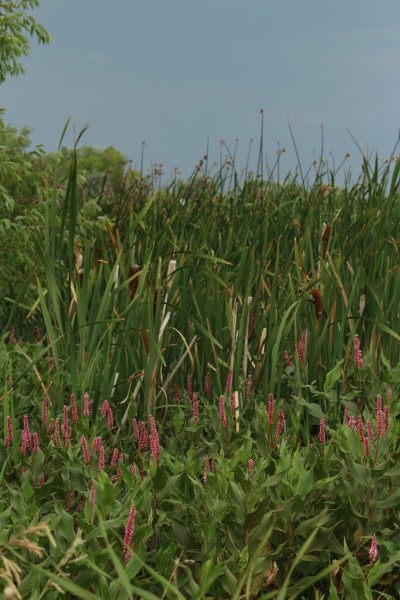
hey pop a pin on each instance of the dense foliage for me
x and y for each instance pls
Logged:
(200, 385)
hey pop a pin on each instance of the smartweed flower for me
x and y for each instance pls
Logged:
(143, 438)
(85, 450)
(228, 386)
(128, 534)
(271, 409)
(74, 410)
(370, 430)
(133, 470)
(96, 444)
(386, 425)
(44, 410)
(104, 408)
(87, 405)
(250, 466)
(301, 347)
(366, 446)
(379, 416)
(101, 458)
(65, 429)
(358, 360)
(222, 414)
(110, 418)
(135, 429)
(360, 427)
(114, 458)
(177, 394)
(280, 425)
(322, 431)
(35, 443)
(92, 499)
(10, 435)
(154, 440)
(207, 469)
(249, 386)
(207, 385)
(27, 432)
(287, 359)
(390, 394)
(373, 551)
(195, 409)
(41, 480)
(57, 440)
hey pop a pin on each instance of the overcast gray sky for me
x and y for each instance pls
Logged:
(175, 73)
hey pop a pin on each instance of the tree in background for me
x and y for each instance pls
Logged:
(16, 26)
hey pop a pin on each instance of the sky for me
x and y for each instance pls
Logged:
(182, 75)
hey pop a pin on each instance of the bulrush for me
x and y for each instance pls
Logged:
(373, 551)
(195, 408)
(10, 435)
(322, 431)
(271, 409)
(358, 360)
(250, 466)
(85, 450)
(379, 417)
(222, 414)
(44, 410)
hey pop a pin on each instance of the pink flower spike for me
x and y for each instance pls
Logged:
(189, 386)
(143, 438)
(154, 440)
(135, 429)
(358, 361)
(65, 429)
(10, 434)
(250, 466)
(24, 441)
(222, 414)
(110, 418)
(133, 470)
(96, 444)
(44, 410)
(322, 431)
(101, 458)
(229, 382)
(271, 409)
(346, 416)
(207, 385)
(390, 394)
(177, 394)
(352, 422)
(35, 443)
(386, 426)
(92, 495)
(130, 524)
(27, 432)
(370, 430)
(379, 416)
(249, 386)
(301, 348)
(104, 408)
(366, 446)
(373, 551)
(360, 427)
(41, 480)
(114, 458)
(287, 359)
(281, 423)
(74, 410)
(51, 426)
(85, 450)
(87, 405)
(195, 408)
